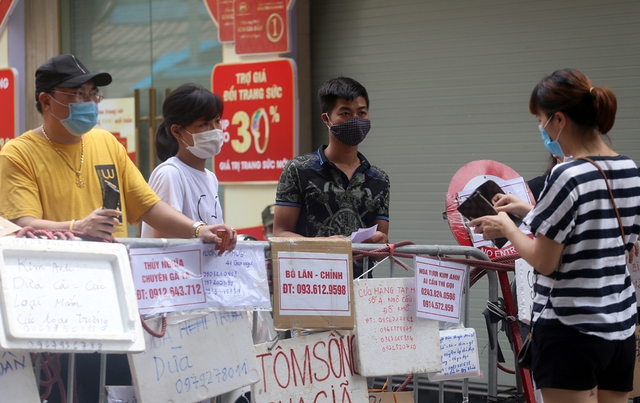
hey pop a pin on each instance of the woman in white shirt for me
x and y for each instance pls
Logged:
(190, 133)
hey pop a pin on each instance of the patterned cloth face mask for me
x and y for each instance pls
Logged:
(351, 132)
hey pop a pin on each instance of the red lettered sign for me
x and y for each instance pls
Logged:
(259, 120)
(6, 6)
(7, 105)
(261, 26)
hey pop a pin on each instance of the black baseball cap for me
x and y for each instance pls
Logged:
(66, 71)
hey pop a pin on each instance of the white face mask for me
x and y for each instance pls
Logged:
(205, 144)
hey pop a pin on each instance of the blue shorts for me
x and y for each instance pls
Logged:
(564, 358)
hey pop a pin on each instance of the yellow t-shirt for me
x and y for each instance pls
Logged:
(36, 182)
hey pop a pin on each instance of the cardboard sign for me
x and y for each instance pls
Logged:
(168, 280)
(391, 397)
(459, 350)
(8, 97)
(525, 280)
(261, 26)
(67, 296)
(439, 288)
(391, 339)
(17, 380)
(307, 369)
(196, 359)
(259, 120)
(322, 302)
(315, 284)
(7, 227)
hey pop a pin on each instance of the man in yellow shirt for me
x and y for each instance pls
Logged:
(56, 176)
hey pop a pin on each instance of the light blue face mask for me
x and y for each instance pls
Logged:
(552, 145)
(83, 116)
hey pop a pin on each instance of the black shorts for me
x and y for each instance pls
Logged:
(564, 358)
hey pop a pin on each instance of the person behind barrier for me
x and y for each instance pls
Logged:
(585, 306)
(189, 134)
(335, 190)
(55, 176)
(267, 221)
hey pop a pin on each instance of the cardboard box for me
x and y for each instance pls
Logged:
(307, 283)
(391, 397)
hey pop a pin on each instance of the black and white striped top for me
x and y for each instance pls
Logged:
(591, 289)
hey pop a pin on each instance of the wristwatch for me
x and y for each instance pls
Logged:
(195, 228)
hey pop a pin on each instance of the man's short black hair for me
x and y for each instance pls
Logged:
(340, 87)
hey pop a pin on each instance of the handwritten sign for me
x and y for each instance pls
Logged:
(196, 359)
(524, 290)
(17, 380)
(168, 280)
(390, 339)
(67, 296)
(315, 284)
(236, 280)
(307, 369)
(439, 285)
(459, 351)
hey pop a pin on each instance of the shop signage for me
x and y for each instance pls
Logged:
(259, 120)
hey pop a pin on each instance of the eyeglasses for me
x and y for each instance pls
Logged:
(93, 95)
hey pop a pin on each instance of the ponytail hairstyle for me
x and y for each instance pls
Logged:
(186, 104)
(571, 92)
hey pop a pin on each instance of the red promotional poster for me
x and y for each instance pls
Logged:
(261, 26)
(225, 21)
(6, 7)
(259, 120)
(7, 105)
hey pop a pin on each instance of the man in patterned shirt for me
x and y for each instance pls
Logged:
(335, 190)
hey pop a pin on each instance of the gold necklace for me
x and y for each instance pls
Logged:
(79, 181)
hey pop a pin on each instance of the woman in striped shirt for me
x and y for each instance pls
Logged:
(585, 305)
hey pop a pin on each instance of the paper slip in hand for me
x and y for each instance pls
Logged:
(363, 234)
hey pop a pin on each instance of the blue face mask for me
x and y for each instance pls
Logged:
(83, 116)
(552, 145)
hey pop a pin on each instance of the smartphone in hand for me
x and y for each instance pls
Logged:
(110, 198)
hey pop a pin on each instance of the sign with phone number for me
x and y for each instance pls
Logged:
(259, 121)
(314, 283)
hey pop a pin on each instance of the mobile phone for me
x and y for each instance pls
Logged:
(110, 197)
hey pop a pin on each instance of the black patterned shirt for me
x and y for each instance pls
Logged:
(330, 203)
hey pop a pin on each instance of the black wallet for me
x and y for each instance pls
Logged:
(479, 205)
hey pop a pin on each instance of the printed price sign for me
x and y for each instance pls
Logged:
(439, 286)
(259, 119)
(314, 284)
(168, 279)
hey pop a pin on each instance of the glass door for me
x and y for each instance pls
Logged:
(149, 47)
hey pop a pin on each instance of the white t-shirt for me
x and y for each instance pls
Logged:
(188, 190)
